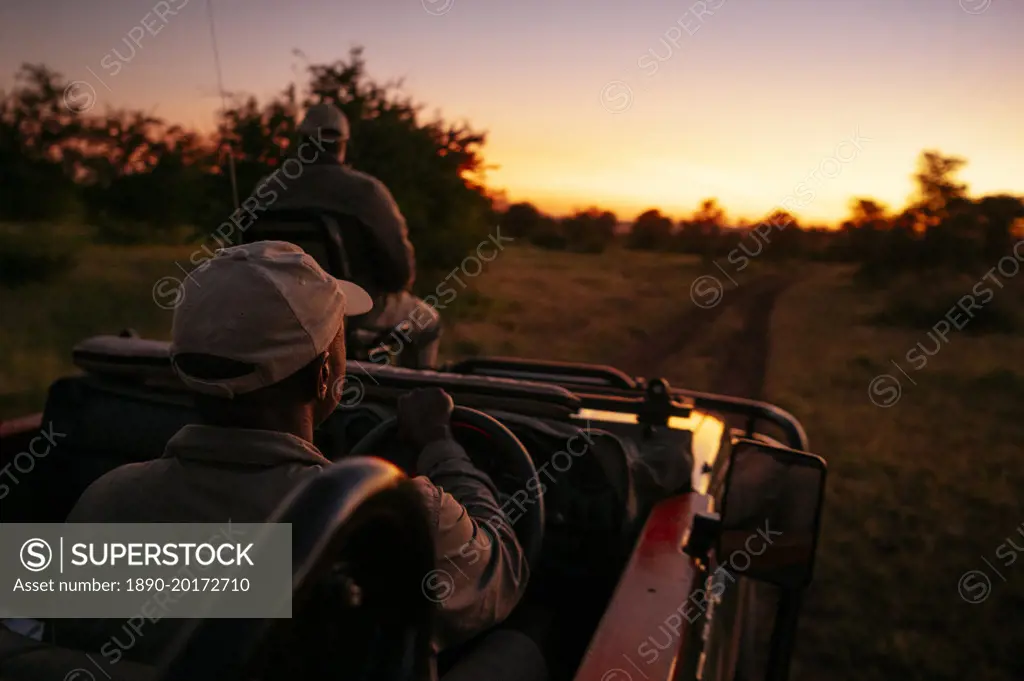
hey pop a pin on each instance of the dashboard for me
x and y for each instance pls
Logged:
(584, 472)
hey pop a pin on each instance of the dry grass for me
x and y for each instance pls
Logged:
(919, 493)
(108, 290)
(695, 367)
(572, 307)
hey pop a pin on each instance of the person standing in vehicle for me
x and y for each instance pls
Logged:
(382, 258)
(259, 339)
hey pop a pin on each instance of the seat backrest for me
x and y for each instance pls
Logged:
(501, 655)
(361, 543)
(24, 659)
(314, 231)
(98, 425)
(339, 242)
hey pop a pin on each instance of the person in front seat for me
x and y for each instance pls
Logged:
(259, 338)
(387, 268)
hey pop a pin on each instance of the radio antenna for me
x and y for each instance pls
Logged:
(223, 102)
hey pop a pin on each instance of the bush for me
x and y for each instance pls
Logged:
(27, 258)
(36, 191)
(589, 231)
(920, 302)
(137, 176)
(549, 235)
(521, 220)
(130, 232)
(651, 232)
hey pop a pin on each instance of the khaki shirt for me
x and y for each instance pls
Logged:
(212, 475)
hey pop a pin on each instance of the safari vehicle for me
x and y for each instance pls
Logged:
(653, 519)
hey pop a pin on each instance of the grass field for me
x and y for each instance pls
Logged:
(920, 493)
(109, 289)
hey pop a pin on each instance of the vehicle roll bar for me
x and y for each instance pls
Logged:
(562, 372)
(609, 389)
(683, 400)
(754, 411)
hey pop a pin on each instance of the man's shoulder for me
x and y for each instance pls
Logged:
(351, 182)
(116, 487)
(133, 474)
(363, 180)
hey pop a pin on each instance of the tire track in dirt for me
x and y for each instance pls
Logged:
(740, 363)
(647, 357)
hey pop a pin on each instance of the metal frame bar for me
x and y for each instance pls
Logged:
(619, 396)
(565, 372)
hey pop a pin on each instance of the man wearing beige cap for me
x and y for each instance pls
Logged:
(384, 261)
(259, 337)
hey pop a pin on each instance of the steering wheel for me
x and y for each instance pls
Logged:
(509, 455)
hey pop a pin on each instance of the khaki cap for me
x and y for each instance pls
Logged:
(325, 118)
(266, 303)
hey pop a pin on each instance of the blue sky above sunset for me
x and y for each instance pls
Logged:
(626, 105)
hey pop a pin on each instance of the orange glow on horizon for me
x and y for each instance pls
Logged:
(752, 109)
(561, 174)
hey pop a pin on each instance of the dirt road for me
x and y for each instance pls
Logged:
(740, 362)
(740, 365)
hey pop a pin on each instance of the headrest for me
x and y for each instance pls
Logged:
(129, 357)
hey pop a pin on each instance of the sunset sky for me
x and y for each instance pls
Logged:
(627, 105)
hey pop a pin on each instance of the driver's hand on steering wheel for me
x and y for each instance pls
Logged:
(424, 417)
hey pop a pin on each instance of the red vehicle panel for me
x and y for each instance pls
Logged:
(655, 585)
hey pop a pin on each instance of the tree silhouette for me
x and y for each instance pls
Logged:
(1000, 216)
(937, 187)
(434, 169)
(36, 164)
(868, 213)
(589, 231)
(134, 177)
(129, 172)
(701, 233)
(522, 220)
(651, 231)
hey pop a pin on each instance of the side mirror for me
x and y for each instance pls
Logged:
(771, 513)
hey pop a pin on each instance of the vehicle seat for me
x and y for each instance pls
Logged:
(514, 651)
(99, 424)
(363, 518)
(323, 234)
(25, 659)
(502, 655)
(124, 410)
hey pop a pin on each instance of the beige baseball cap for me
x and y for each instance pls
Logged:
(325, 118)
(268, 304)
